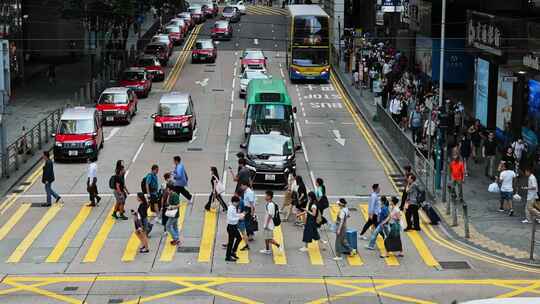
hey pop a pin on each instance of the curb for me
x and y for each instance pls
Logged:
(446, 228)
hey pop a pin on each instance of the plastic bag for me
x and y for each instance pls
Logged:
(516, 197)
(493, 188)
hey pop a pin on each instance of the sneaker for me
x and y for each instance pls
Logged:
(234, 256)
(363, 237)
(303, 249)
(280, 248)
(324, 241)
(114, 215)
(231, 259)
(123, 217)
(98, 199)
(144, 250)
(264, 251)
(337, 258)
(369, 248)
(511, 213)
(353, 252)
(244, 248)
(525, 221)
(58, 200)
(501, 210)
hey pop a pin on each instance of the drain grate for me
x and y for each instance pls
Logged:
(194, 149)
(210, 65)
(25, 183)
(70, 288)
(455, 265)
(17, 191)
(114, 301)
(35, 205)
(188, 249)
(218, 90)
(209, 71)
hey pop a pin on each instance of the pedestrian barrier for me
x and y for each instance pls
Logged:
(422, 167)
(24, 147)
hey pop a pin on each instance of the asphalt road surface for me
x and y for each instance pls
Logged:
(74, 254)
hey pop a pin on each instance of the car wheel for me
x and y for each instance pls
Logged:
(156, 138)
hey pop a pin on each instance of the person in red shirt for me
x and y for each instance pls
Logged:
(457, 174)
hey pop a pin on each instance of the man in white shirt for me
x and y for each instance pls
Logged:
(532, 194)
(268, 226)
(232, 229)
(520, 148)
(249, 203)
(395, 109)
(91, 182)
(506, 179)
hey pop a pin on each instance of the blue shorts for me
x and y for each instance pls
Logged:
(242, 226)
(506, 195)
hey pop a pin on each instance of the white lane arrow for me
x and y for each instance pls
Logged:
(256, 41)
(338, 138)
(202, 83)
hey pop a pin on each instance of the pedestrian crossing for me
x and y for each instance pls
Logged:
(212, 236)
(265, 10)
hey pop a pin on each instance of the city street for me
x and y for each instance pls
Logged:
(72, 253)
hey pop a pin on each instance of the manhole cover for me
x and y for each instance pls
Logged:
(455, 265)
(114, 301)
(70, 288)
(194, 149)
(188, 249)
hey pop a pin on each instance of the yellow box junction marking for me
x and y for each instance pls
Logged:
(208, 235)
(280, 258)
(390, 260)
(19, 252)
(314, 253)
(353, 260)
(169, 250)
(13, 220)
(69, 234)
(101, 237)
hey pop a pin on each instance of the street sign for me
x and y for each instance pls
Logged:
(510, 79)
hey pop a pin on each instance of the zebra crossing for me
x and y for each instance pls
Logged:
(212, 234)
(265, 10)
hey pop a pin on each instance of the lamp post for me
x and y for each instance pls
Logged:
(441, 86)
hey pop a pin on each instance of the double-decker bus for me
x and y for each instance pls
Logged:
(308, 53)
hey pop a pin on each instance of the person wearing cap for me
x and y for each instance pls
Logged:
(342, 245)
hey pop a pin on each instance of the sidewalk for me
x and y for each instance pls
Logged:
(489, 229)
(36, 98)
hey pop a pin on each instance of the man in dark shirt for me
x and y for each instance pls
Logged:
(489, 151)
(47, 178)
(243, 176)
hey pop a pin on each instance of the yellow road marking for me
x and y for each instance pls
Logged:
(422, 248)
(31, 180)
(63, 243)
(182, 58)
(353, 260)
(314, 253)
(167, 83)
(19, 252)
(99, 240)
(280, 258)
(13, 220)
(391, 260)
(169, 250)
(170, 293)
(44, 292)
(356, 290)
(132, 247)
(208, 235)
(519, 291)
(243, 256)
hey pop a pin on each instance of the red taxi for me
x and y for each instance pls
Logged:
(117, 104)
(184, 28)
(175, 34)
(196, 13)
(79, 134)
(186, 16)
(222, 30)
(158, 49)
(253, 59)
(152, 65)
(137, 79)
(204, 51)
(176, 118)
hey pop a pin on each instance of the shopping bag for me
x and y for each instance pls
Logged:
(493, 188)
(516, 198)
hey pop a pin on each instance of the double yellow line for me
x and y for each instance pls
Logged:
(389, 168)
(181, 60)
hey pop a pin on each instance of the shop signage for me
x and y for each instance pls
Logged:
(509, 79)
(483, 34)
(417, 14)
(531, 61)
(392, 6)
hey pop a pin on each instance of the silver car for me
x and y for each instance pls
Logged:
(247, 76)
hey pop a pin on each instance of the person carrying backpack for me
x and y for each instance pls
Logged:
(415, 123)
(271, 220)
(150, 187)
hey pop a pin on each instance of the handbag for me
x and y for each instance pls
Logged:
(171, 212)
(493, 188)
(219, 187)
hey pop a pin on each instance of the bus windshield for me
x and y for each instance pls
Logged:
(311, 30)
(310, 57)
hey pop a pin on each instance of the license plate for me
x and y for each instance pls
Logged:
(270, 177)
(73, 153)
(109, 118)
(171, 132)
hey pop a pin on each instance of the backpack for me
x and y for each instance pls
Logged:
(112, 182)
(277, 218)
(416, 119)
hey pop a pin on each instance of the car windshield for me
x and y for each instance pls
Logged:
(76, 126)
(254, 75)
(178, 22)
(164, 39)
(254, 55)
(172, 109)
(269, 144)
(147, 62)
(112, 98)
(133, 76)
(228, 10)
(195, 10)
(310, 57)
(173, 29)
(201, 45)
(220, 25)
(269, 111)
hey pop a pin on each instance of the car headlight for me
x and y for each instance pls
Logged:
(185, 124)
(140, 87)
(157, 124)
(58, 144)
(160, 72)
(88, 143)
(121, 112)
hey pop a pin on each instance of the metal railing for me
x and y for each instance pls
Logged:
(36, 139)
(422, 167)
